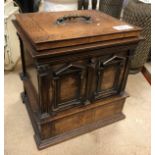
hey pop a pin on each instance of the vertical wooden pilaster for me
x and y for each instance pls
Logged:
(44, 88)
(127, 68)
(91, 79)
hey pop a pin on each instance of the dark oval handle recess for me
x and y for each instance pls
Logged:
(62, 20)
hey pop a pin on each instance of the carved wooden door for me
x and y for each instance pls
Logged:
(69, 86)
(109, 78)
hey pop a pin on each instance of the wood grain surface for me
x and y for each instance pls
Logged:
(44, 33)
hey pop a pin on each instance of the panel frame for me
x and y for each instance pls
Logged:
(117, 61)
(80, 71)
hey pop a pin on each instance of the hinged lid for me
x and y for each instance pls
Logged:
(49, 30)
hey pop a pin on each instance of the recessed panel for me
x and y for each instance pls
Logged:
(31, 70)
(69, 87)
(108, 77)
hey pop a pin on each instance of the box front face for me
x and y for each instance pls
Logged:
(79, 82)
(78, 120)
(87, 117)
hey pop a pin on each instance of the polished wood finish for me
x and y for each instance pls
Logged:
(53, 35)
(74, 77)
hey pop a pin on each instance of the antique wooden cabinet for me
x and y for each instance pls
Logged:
(74, 71)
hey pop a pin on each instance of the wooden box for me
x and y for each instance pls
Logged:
(74, 70)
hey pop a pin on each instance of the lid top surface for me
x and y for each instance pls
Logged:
(43, 26)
